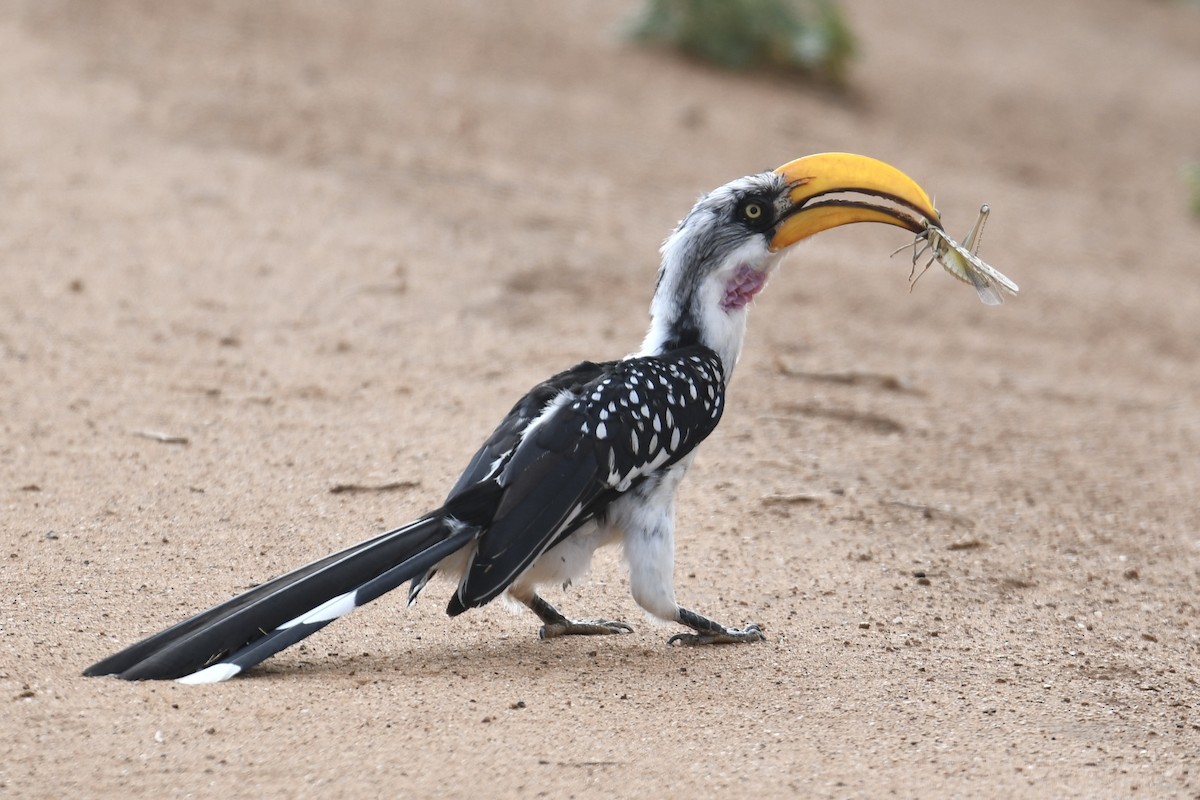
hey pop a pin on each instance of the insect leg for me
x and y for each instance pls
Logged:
(975, 237)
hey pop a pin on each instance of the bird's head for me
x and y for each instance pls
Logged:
(722, 253)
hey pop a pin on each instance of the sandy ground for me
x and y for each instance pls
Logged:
(329, 244)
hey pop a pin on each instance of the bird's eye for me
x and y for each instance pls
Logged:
(756, 213)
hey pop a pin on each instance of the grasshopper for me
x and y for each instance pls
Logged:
(961, 260)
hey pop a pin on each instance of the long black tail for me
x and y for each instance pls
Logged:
(219, 643)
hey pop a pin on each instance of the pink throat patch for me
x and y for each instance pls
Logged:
(742, 287)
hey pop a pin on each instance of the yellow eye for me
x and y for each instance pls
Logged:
(756, 213)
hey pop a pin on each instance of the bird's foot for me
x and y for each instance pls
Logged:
(554, 624)
(590, 627)
(750, 633)
(708, 631)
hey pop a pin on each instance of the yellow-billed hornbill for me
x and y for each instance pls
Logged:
(592, 456)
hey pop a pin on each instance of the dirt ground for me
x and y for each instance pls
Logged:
(322, 244)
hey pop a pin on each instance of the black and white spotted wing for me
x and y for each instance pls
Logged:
(589, 445)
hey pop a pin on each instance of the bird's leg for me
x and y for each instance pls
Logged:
(708, 631)
(555, 624)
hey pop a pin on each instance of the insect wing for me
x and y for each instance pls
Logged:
(994, 278)
(988, 295)
(970, 268)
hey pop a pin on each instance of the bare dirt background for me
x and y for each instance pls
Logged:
(330, 244)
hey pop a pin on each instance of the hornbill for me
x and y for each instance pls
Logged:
(593, 455)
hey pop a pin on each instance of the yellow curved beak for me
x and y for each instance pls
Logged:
(819, 185)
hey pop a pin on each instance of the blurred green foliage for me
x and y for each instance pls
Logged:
(810, 36)
(1192, 175)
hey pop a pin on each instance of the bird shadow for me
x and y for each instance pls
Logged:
(481, 658)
